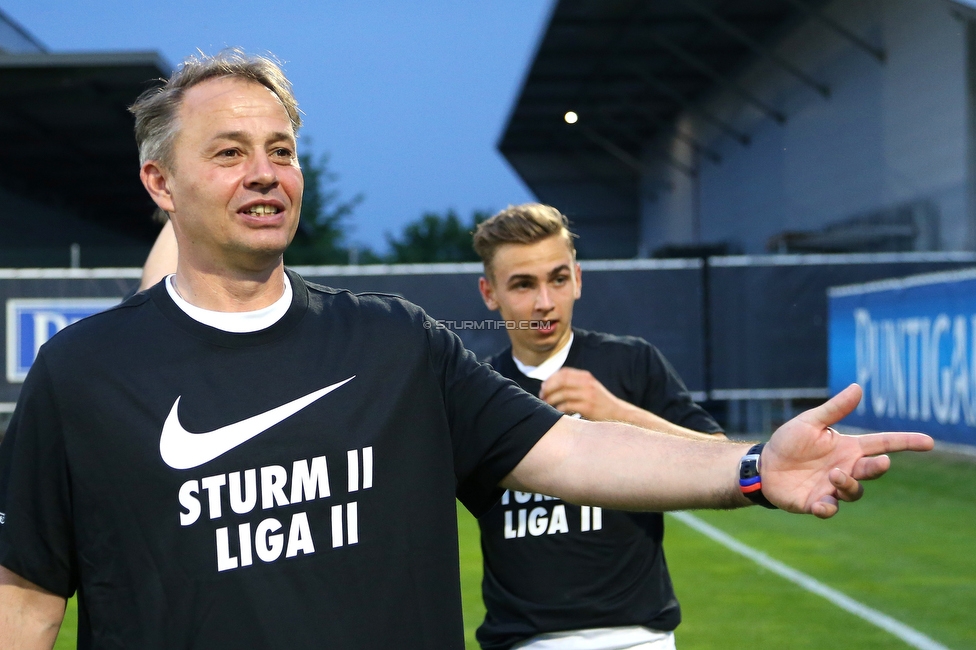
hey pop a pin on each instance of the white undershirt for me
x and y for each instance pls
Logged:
(237, 322)
(547, 368)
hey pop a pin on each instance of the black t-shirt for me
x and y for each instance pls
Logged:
(301, 512)
(551, 566)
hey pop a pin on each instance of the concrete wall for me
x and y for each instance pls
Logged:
(891, 133)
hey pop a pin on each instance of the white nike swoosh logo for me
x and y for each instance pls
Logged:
(181, 449)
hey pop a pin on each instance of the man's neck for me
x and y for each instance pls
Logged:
(533, 361)
(229, 291)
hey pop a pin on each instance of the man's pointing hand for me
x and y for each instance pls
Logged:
(807, 467)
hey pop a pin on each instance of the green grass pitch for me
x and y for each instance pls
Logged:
(907, 550)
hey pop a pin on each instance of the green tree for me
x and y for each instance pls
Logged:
(436, 238)
(322, 229)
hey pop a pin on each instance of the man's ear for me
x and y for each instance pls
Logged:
(154, 179)
(579, 279)
(487, 293)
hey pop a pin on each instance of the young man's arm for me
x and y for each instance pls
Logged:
(30, 616)
(806, 467)
(571, 390)
(162, 258)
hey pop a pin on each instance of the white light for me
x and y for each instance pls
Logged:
(570, 117)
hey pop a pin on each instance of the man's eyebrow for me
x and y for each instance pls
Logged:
(559, 269)
(243, 137)
(520, 277)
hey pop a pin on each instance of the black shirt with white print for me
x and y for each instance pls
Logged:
(550, 566)
(292, 487)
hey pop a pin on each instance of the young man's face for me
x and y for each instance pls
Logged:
(234, 188)
(534, 282)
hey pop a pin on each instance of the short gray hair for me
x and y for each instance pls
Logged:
(156, 110)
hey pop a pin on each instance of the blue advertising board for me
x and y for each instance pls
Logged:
(32, 321)
(911, 345)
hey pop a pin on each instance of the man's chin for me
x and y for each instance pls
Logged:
(546, 344)
(259, 258)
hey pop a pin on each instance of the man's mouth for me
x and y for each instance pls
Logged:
(262, 209)
(547, 326)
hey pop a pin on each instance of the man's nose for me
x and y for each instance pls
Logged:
(543, 301)
(262, 173)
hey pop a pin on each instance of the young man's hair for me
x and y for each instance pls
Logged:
(157, 109)
(520, 224)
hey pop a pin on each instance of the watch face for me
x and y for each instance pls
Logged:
(750, 483)
(749, 465)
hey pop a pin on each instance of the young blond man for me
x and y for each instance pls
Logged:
(590, 579)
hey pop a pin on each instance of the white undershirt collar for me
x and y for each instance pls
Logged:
(547, 368)
(237, 322)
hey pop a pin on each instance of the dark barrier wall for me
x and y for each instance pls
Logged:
(663, 304)
(765, 325)
(451, 298)
(768, 316)
(658, 300)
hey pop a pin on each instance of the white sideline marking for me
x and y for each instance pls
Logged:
(907, 634)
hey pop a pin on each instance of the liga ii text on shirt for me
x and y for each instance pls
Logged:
(270, 488)
(536, 518)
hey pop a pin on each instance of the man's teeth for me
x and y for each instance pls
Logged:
(263, 209)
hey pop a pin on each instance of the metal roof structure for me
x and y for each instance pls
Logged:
(64, 123)
(629, 69)
(16, 39)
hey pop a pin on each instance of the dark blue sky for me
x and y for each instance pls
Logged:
(408, 98)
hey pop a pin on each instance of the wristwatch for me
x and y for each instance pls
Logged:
(750, 481)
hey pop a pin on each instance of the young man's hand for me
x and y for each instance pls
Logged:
(577, 391)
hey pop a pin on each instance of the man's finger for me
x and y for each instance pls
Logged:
(873, 444)
(553, 384)
(848, 489)
(554, 397)
(870, 467)
(825, 508)
(836, 408)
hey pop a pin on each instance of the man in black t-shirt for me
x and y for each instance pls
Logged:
(557, 573)
(239, 459)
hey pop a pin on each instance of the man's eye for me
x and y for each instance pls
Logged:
(228, 153)
(562, 279)
(283, 153)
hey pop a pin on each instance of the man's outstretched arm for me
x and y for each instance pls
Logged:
(30, 616)
(806, 466)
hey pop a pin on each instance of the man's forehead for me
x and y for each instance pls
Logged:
(539, 258)
(230, 97)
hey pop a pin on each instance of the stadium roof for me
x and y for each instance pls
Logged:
(629, 68)
(16, 39)
(69, 137)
